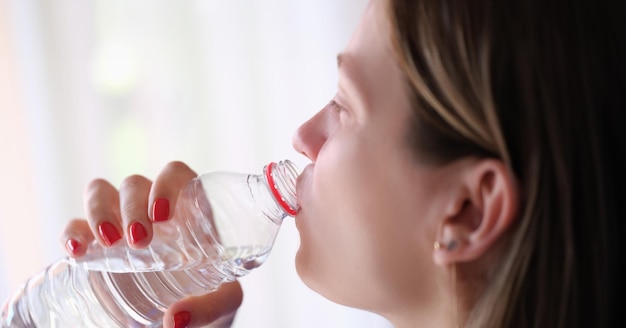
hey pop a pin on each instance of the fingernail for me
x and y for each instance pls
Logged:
(109, 233)
(182, 319)
(72, 245)
(137, 232)
(161, 210)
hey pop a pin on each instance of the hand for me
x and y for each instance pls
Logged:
(129, 212)
(215, 310)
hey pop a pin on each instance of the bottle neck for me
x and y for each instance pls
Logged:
(275, 190)
(281, 181)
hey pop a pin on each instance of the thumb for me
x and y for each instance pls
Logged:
(217, 308)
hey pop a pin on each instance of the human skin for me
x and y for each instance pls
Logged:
(129, 205)
(366, 236)
(371, 208)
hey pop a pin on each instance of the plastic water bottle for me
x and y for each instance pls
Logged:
(224, 225)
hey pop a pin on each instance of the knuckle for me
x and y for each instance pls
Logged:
(95, 185)
(73, 223)
(176, 166)
(70, 227)
(132, 181)
(132, 210)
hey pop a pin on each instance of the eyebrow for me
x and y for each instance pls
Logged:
(339, 59)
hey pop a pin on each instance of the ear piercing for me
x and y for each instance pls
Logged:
(452, 245)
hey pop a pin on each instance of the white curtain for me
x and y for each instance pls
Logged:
(110, 88)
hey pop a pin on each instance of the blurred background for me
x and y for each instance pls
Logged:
(110, 88)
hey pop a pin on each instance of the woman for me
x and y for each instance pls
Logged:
(465, 173)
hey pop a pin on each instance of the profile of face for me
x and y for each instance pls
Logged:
(433, 226)
(367, 205)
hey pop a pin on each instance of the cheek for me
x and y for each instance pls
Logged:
(364, 225)
(348, 238)
(325, 218)
(330, 219)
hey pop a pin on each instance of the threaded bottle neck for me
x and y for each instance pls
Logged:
(281, 178)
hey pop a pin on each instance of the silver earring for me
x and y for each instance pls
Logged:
(452, 245)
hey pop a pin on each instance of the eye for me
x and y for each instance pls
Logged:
(335, 107)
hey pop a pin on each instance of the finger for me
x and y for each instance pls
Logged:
(218, 308)
(102, 207)
(76, 237)
(134, 192)
(166, 188)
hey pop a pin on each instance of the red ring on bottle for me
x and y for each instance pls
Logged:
(275, 192)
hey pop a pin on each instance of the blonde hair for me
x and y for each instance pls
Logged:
(535, 85)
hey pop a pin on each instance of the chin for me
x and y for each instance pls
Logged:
(303, 268)
(307, 271)
(303, 259)
(323, 283)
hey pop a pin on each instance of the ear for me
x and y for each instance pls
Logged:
(478, 212)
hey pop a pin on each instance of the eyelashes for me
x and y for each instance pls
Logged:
(340, 113)
(335, 107)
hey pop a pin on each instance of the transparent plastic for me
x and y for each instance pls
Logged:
(224, 225)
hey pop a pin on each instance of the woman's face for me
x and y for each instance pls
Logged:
(367, 205)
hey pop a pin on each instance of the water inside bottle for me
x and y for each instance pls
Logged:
(145, 294)
(243, 259)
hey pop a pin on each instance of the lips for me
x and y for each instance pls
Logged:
(302, 184)
(303, 178)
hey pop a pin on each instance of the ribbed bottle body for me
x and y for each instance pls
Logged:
(224, 225)
(66, 295)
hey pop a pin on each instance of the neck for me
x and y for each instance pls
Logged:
(448, 306)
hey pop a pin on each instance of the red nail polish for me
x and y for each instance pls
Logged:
(137, 232)
(182, 319)
(109, 233)
(72, 245)
(161, 210)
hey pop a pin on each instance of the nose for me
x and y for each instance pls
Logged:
(311, 135)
